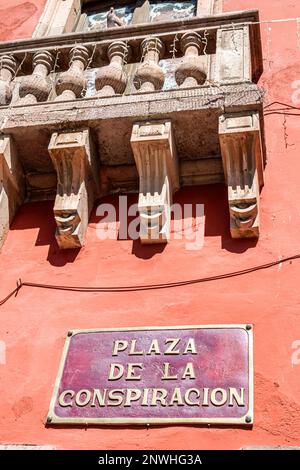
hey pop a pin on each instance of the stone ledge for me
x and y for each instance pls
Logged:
(233, 97)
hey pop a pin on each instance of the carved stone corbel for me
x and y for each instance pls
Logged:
(191, 69)
(74, 160)
(149, 75)
(72, 83)
(8, 67)
(11, 185)
(36, 88)
(242, 155)
(112, 79)
(156, 159)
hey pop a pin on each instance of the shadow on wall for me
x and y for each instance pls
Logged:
(40, 215)
(215, 223)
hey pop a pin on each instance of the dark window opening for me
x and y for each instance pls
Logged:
(94, 15)
(171, 10)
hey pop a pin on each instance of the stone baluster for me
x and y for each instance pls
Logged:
(36, 88)
(149, 75)
(191, 70)
(71, 84)
(8, 67)
(112, 79)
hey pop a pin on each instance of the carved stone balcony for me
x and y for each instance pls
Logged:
(187, 73)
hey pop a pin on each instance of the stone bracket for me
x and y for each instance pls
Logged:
(242, 155)
(12, 186)
(156, 158)
(73, 157)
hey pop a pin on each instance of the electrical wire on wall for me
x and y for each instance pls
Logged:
(165, 285)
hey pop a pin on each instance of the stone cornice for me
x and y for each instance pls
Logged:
(233, 97)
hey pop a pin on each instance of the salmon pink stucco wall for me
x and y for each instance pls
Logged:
(34, 324)
(19, 18)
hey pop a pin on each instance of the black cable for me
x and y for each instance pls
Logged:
(286, 109)
(168, 285)
(14, 292)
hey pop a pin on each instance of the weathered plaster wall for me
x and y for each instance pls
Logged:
(34, 324)
(18, 18)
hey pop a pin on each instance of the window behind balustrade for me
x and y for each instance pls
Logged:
(66, 16)
(94, 16)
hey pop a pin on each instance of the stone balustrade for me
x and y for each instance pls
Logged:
(53, 70)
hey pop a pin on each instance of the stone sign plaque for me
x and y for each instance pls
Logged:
(168, 375)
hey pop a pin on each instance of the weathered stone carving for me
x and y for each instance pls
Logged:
(74, 160)
(8, 67)
(72, 83)
(11, 185)
(36, 88)
(149, 75)
(112, 79)
(113, 20)
(241, 147)
(156, 159)
(191, 70)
